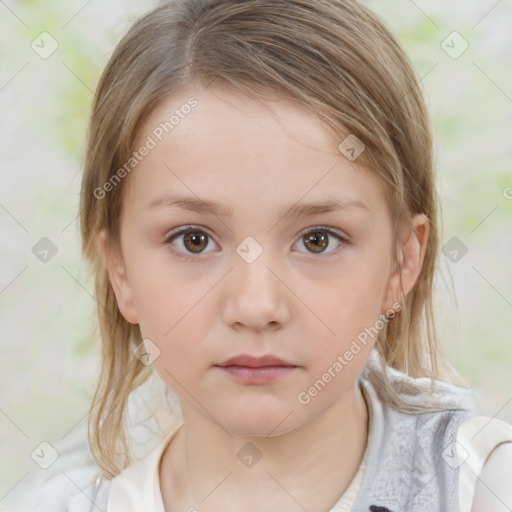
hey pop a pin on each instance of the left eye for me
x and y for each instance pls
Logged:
(195, 240)
(317, 239)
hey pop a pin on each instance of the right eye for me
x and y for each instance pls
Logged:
(192, 240)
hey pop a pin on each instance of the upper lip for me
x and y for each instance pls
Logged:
(254, 362)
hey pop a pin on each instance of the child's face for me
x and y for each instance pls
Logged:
(255, 285)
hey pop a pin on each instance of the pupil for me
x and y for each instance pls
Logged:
(318, 241)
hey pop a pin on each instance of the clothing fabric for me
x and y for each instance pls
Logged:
(413, 462)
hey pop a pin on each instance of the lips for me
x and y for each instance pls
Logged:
(249, 361)
(256, 371)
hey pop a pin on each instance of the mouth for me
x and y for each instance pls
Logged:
(248, 369)
(249, 361)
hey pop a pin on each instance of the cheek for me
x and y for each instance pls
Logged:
(176, 321)
(179, 330)
(174, 312)
(345, 308)
(164, 295)
(354, 292)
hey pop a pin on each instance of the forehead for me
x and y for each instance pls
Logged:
(219, 143)
(219, 113)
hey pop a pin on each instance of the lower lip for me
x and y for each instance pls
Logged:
(261, 375)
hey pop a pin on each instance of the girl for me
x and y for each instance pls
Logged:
(259, 209)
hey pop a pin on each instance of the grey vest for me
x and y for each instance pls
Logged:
(411, 460)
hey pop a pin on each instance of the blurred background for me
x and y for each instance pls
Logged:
(51, 56)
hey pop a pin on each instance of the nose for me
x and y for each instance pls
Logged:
(255, 295)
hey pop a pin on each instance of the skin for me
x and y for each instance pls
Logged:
(258, 158)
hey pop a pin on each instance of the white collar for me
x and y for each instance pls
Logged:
(137, 487)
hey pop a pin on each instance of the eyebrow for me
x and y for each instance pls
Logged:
(197, 205)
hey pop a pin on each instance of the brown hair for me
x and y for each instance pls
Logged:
(335, 58)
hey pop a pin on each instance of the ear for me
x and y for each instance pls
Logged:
(118, 278)
(411, 256)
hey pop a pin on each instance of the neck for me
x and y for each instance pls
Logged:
(309, 467)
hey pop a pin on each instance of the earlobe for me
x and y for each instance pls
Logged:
(117, 276)
(411, 257)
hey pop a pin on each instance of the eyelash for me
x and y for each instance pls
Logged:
(315, 229)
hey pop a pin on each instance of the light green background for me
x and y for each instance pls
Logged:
(50, 350)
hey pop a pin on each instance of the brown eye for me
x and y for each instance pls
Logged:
(194, 241)
(189, 241)
(317, 240)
